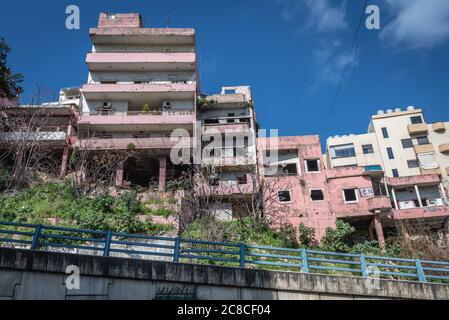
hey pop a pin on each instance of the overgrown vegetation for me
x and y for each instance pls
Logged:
(58, 203)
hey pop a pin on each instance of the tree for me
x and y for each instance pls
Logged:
(9, 82)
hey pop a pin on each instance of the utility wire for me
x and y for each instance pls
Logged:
(354, 47)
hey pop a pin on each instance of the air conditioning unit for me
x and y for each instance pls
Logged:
(107, 106)
(166, 105)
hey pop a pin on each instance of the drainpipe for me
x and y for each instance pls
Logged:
(393, 194)
(419, 196)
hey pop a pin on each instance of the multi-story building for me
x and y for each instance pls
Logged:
(228, 144)
(142, 85)
(410, 153)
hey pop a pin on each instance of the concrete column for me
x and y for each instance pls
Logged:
(419, 196)
(386, 188)
(393, 195)
(18, 164)
(119, 172)
(162, 173)
(443, 193)
(379, 231)
(370, 231)
(65, 159)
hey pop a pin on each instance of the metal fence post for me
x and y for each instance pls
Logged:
(363, 267)
(304, 261)
(242, 255)
(107, 243)
(37, 235)
(420, 271)
(176, 250)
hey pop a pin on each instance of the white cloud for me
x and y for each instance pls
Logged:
(325, 17)
(331, 61)
(318, 15)
(417, 24)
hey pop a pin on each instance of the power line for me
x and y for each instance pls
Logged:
(348, 62)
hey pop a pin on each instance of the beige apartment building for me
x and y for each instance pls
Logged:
(402, 145)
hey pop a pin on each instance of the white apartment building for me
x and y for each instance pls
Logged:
(413, 155)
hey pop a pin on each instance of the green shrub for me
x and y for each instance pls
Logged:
(338, 239)
(288, 236)
(307, 236)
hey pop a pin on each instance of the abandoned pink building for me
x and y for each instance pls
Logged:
(143, 84)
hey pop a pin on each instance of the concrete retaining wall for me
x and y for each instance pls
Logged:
(41, 275)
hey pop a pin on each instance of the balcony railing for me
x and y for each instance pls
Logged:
(178, 250)
(137, 143)
(139, 113)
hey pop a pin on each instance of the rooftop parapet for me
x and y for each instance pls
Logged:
(120, 20)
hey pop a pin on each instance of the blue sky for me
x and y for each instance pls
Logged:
(291, 52)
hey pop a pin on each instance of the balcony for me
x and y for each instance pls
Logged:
(226, 128)
(428, 179)
(44, 135)
(421, 213)
(444, 148)
(418, 128)
(138, 61)
(423, 148)
(379, 204)
(131, 143)
(224, 189)
(157, 118)
(154, 36)
(439, 127)
(236, 100)
(130, 91)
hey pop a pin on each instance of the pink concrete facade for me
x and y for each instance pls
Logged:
(301, 209)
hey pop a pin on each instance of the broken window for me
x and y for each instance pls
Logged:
(313, 165)
(284, 196)
(350, 195)
(242, 179)
(316, 195)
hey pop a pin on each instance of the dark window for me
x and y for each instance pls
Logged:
(289, 169)
(343, 151)
(313, 166)
(317, 195)
(385, 133)
(284, 196)
(350, 195)
(413, 164)
(416, 120)
(395, 173)
(422, 140)
(407, 143)
(390, 153)
(368, 149)
(229, 91)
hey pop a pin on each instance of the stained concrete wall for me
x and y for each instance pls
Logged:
(40, 275)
